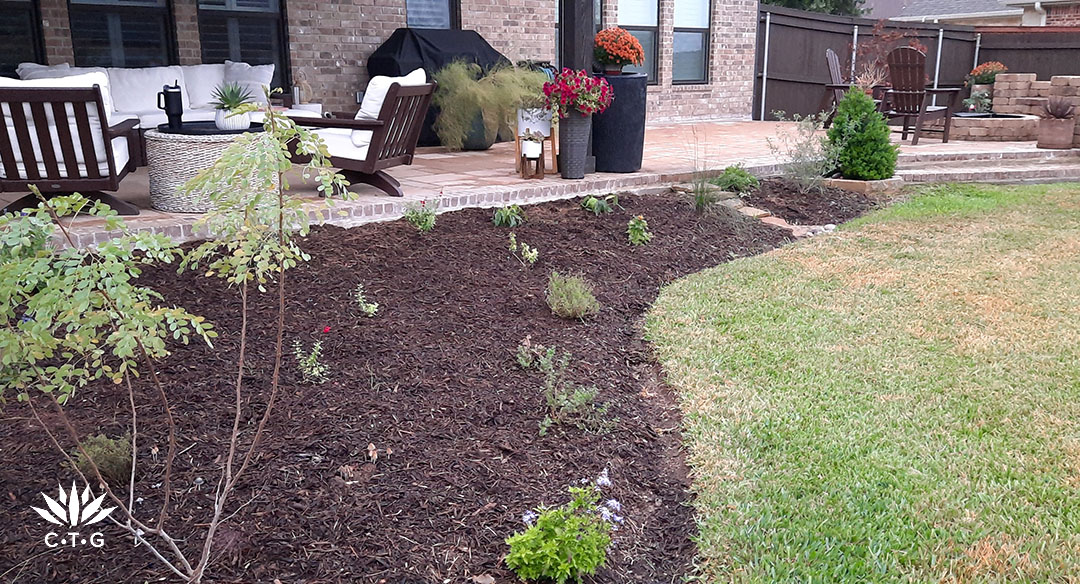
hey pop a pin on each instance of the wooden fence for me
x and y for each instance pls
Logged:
(791, 67)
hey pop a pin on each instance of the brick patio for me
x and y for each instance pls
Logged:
(487, 179)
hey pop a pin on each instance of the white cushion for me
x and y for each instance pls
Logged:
(252, 78)
(258, 116)
(200, 81)
(136, 89)
(339, 143)
(59, 71)
(374, 96)
(118, 145)
(86, 79)
(25, 68)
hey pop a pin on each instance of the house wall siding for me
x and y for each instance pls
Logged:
(329, 43)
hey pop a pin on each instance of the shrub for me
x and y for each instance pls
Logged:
(637, 231)
(524, 253)
(567, 402)
(736, 179)
(111, 456)
(565, 543)
(806, 155)
(511, 216)
(571, 296)
(861, 137)
(600, 205)
(469, 98)
(368, 308)
(420, 216)
(310, 362)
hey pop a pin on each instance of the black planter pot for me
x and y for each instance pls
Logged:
(574, 131)
(619, 132)
(477, 138)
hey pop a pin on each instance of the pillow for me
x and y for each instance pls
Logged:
(73, 81)
(252, 78)
(58, 71)
(200, 81)
(25, 68)
(374, 96)
(135, 89)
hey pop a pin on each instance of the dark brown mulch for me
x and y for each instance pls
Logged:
(784, 199)
(433, 379)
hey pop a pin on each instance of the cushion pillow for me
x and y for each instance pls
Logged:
(200, 81)
(54, 72)
(91, 79)
(136, 89)
(252, 78)
(24, 68)
(374, 96)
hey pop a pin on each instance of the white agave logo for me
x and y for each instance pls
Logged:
(73, 510)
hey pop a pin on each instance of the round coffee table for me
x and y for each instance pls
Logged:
(175, 156)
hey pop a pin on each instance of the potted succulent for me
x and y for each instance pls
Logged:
(474, 105)
(1057, 124)
(532, 143)
(234, 105)
(615, 48)
(575, 96)
(982, 77)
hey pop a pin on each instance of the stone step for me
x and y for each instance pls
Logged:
(909, 158)
(1046, 170)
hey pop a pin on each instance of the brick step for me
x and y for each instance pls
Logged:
(1044, 170)
(907, 159)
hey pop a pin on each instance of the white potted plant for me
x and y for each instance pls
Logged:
(533, 116)
(234, 105)
(532, 143)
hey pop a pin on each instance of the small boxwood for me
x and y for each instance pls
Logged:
(862, 137)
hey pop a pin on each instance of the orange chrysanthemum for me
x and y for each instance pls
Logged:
(615, 46)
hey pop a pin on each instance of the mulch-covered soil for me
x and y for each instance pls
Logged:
(786, 200)
(431, 378)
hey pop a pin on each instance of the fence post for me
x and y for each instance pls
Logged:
(937, 64)
(854, 48)
(978, 43)
(765, 63)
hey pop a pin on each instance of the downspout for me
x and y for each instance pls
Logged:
(1041, 12)
(765, 63)
(854, 49)
(937, 65)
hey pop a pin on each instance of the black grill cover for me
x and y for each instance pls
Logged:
(410, 48)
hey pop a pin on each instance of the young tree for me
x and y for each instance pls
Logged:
(840, 7)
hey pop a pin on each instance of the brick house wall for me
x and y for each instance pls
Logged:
(329, 43)
(1063, 15)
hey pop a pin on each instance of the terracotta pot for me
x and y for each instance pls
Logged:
(613, 69)
(988, 88)
(1056, 133)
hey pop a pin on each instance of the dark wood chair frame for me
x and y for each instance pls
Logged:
(51, 183)
(834, 91)
(909, 97)
(393, 137)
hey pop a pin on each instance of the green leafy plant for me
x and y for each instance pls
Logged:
(736, 179)
(509, 216)
(111, 456)
(524, 253)
(600, 205)
(368, 308)
(806, 155)
(979, 102)
(310, 362)
(420, 216)
(637, 231)
(567, 402)
(571, 296)
(565, 543)
(860, 136)
(472, 101)
(233, 98)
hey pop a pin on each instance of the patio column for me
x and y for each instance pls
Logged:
(576, 48)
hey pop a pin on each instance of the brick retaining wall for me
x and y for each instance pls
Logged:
(1022, 93)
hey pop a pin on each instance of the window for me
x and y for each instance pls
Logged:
(20, 35)
(598, 25)
(640, 18)
(244, 31)
(690, 42)
(121, 33)
(443, 14)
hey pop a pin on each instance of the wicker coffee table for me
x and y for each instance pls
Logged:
(175, 158)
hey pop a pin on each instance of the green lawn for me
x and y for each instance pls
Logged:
(896, 402)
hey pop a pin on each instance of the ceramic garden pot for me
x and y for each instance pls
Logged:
(574, 132)
(619, 132)
(224, 121)
(531, 149)
(536, 119)
(613, 69)
(1056, 133)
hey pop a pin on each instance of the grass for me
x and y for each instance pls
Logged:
(897, 402)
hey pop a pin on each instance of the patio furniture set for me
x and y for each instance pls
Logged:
(80, 129)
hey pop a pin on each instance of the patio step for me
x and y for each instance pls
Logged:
(1047, 169)
(1026, 153)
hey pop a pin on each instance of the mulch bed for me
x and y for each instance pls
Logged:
(784, 199)
(431, 377)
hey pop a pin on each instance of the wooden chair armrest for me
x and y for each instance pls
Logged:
(838, 85)
(338, 123)
(122, 128)
(943, 90)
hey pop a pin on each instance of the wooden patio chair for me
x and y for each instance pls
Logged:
(60, 140)
(909, 97)
(364, 149)
(835, 90)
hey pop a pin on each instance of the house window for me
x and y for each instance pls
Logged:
(244, 31)
(20, 35)
(690, 42)
(444, 14)
(121, 33)
(598, 25)
(641, 19)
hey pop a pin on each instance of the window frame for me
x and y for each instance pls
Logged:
(37, 31)
(706, 34)
(654, 75)
(282, 17)
(172, 53)
(455, 16)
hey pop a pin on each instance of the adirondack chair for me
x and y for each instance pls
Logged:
(61, 141)
(910, 99)
(834, 91)
(363, 149)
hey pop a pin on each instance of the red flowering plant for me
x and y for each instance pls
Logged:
(577, 90)
(615, 46)
(985, 73)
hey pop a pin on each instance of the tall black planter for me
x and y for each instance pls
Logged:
(619, 132)
(574, 133)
